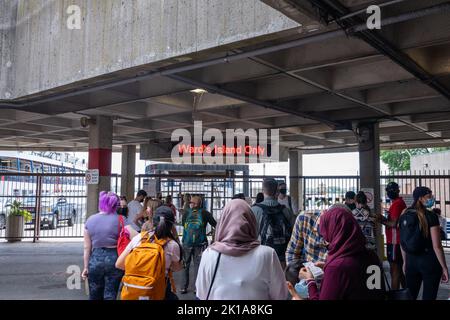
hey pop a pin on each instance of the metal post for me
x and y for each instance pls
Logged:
(37, 209)
(212, 198)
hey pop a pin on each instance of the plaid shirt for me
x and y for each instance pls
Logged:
(306, 244)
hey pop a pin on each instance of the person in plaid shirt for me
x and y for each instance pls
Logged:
(306, 244)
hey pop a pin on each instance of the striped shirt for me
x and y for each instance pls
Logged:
(306, 244)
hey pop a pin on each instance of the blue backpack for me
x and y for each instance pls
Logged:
(194, 229)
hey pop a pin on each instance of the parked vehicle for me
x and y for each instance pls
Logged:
(62, 210)
(50, 214)
(28, 204)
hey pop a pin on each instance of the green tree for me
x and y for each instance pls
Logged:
(400, 160)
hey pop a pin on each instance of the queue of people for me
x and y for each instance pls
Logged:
(261, 251)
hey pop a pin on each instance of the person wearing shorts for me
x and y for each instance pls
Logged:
(394, 254)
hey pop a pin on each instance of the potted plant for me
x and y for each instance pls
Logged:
(15, 222)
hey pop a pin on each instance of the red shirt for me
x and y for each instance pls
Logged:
(395, 210)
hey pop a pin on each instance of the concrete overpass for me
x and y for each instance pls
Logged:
(310, 68)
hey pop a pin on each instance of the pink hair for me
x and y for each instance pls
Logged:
(108, 202)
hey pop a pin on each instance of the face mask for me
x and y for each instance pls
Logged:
(302, 289)
(429, 203)
(352, 206)
(283, 191)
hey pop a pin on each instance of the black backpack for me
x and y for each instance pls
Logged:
(280, 235)
(411, 237)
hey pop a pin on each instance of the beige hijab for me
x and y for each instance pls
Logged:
(236, 232)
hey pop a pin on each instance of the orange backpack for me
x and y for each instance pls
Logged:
(145, 271)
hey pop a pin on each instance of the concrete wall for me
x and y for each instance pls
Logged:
(8, 11)
(118, 34)
(435, 161)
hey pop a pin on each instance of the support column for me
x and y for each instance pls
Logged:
(100, 154)
(369, 167)
(296, 184)
(128, 172)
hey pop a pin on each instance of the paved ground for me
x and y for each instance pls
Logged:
(38, 271)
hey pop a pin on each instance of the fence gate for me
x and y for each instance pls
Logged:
(57, 203)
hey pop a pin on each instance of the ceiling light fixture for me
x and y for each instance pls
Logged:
(199, 91)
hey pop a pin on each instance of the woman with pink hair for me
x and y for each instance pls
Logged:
(100, 248)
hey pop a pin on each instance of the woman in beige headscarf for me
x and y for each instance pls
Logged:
(237, 266)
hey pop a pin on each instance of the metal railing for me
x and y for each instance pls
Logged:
(58, 201)
(320, 192)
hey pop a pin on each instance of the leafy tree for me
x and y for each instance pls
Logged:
(400, 160)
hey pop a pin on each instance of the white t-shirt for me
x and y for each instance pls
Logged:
(134, 208)
(171, 250)
(255, 276)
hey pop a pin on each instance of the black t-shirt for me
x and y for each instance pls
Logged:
(433, 220)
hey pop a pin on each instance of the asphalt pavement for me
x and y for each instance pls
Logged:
(39, 271)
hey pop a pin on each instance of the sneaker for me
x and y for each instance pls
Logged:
(183, 291)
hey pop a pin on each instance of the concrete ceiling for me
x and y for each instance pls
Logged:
(315, 93)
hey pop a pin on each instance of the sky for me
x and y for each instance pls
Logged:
(313, 165)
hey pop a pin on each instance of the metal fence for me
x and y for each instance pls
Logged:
(215, 190)
(320, 192)
(58, 201)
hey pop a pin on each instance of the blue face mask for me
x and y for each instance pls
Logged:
(302, 289)
(429, 203)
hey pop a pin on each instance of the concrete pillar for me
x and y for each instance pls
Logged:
(100, 154)
(128, 172)
(369, 167)
(295, 183)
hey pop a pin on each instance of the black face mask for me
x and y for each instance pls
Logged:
(283, 191)
(352, 206)
(392, 195)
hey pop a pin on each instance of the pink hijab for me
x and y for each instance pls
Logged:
(236, 232)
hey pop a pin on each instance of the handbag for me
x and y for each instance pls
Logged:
(214, 275)
(124, 237)
(401, 294)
